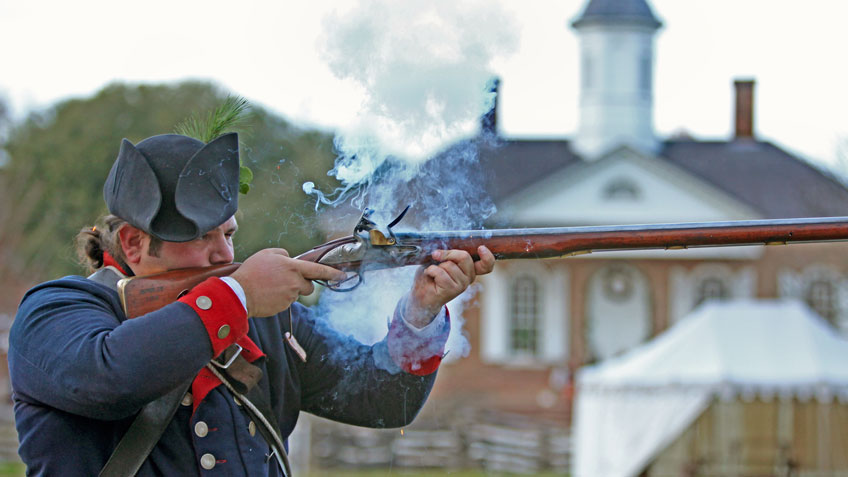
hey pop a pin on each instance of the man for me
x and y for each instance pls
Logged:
(81, 371)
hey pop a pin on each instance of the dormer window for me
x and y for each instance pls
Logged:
(621, 189)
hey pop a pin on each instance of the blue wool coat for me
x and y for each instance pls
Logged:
(80, 372)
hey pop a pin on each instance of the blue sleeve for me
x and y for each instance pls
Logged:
(347, 381)
(71, 348)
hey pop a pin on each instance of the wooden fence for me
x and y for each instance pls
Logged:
(498, 445)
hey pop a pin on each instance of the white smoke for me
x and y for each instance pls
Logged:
(425, 69)
(367, 311)
(458, 346)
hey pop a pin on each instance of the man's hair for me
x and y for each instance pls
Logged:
(103, 237)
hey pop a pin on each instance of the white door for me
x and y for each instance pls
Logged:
(618, 310)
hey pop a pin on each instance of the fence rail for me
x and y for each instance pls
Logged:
(499, 447)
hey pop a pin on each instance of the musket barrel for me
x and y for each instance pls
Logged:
(141, 295)
(563, 241)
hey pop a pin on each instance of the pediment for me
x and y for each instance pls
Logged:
(623, 187)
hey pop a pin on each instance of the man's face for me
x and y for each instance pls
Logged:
(214, 248)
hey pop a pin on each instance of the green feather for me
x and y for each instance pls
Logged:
(225, 118)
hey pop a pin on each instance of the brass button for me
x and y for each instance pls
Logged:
(224, 331)
(201, 429)
(187, 399)
(203, 302)
(251, 428)
(207, 461)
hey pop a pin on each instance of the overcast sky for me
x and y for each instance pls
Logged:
(274, 53)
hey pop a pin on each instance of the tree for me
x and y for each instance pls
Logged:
(15, 204)
(59, 159)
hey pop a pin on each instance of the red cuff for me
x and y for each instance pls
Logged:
(416, 355)
(221, 311)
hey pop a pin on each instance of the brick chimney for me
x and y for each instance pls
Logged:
(489, 120)
(744, 109)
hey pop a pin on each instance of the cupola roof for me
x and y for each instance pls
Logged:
(633, 12)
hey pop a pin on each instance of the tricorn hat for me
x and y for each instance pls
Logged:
(174, 187)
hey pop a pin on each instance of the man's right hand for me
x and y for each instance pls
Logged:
(272, 280)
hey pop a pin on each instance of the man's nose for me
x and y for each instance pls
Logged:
(222, 252)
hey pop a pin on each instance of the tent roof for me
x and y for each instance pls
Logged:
(761, 344)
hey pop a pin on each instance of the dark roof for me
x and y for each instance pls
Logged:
(511, 165)
(606, 12)
(472, 176)
(768, 179)
(762, 175)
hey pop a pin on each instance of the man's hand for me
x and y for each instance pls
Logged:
(438, 284)
(272, 280)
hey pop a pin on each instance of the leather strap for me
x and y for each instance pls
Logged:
(243, 374)
(143, 434)
(260, 411)
(150, 423)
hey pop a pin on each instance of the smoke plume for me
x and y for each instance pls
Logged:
(425, 70)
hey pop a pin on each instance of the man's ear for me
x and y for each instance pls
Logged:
(132, 243)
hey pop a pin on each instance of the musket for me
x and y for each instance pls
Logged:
(371, 247)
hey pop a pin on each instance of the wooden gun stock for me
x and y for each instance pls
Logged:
(142, 295)
(370, 250)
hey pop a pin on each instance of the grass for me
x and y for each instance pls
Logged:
(12, 469)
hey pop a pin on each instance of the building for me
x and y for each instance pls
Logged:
(540, 320)
(535, 322)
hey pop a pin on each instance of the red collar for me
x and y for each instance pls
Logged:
(108, 260)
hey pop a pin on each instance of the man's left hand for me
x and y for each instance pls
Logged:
(437, 284)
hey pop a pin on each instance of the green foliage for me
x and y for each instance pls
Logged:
(245, 178)
(59, 159)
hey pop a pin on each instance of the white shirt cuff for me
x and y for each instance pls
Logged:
(432, 329)
(237, 289)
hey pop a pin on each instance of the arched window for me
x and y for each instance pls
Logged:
(711, 288)
(525, 311)
(823, 287)
(690, 287)
(821, 296)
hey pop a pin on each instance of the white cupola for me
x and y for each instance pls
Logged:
(616, 85)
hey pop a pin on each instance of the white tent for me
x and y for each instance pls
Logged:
(629, 408)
